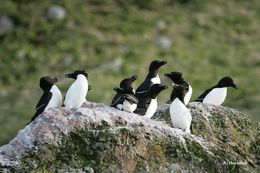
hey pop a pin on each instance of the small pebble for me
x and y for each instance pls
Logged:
(6, 24)
(56, 12)
(163, 42)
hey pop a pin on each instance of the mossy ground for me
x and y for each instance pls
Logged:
(209, 40)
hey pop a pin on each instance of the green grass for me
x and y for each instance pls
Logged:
(210, 40)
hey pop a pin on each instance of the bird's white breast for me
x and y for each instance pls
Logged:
(180, 115)
(188, 95)
(128, 107)
(216, 96)
(151, 108)
(76, 94)
(119, 106)
(156, 80)
(56, 99)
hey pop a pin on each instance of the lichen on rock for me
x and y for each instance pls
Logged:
(98, 138)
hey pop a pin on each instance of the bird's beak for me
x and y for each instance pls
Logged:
(163, 62)
(89, 87)
(166, 74)
(163, 87)
(133, 78)
(235, 86)
(56, 80)
(68, 75)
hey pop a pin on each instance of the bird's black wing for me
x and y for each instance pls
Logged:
(173, 96)
(143, 102)
(118, 99)
(131, 98)
(203, 95)
(43, 102)
(142, 106)
(145, 86)
(89, 87)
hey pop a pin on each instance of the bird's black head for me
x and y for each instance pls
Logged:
(180, 91)
(176, 77)
(156, 89)
(126, 84)
(155, 65)
(47, 82)
(227, 82)
(76, 73)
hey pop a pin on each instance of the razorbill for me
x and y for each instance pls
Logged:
(51, 96)
(216, 95)
(147, 100)
(152, 77)
(76, 94)
(126, 101)
(127, 86)
(180, 114)
(176, 78)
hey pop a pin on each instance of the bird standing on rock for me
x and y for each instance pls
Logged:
(152, 77)
(147, 103)
(126, 101)
(177, 78)
(126, 87)
(216, 95)
(180, 114)
(76, 94)
(51, 97)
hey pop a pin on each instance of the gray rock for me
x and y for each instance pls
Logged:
(160, 24)
(163, 42)
(98, 138)
(57, 12)
(6, 24)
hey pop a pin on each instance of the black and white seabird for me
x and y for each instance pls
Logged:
(51, 97)
(147, 100)
(180, 114)
(152, 77)
(127, 86)
(216, 95)
(176, 78)
(76, 94)
(127, 101)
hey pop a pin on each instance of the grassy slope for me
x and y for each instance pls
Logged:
(210, 40)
